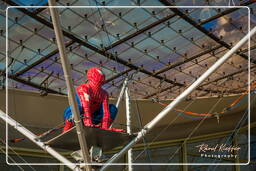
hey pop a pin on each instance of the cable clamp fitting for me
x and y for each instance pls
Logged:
(217, 117)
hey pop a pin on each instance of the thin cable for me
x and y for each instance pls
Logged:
(41, 135)
(231, 3)
(193, 131)
(12, 159)
(104, 28)
(236, 130)
(242, 120)
(164, 129)
(144, 139)
(17, 155)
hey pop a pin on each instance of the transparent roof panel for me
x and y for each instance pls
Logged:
(152, 43)
(31, 2)
(202, 14)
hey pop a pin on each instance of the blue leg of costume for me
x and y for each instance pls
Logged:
(68, 113)
(97, 116)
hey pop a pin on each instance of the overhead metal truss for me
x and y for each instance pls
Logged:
(156, 75)
(202, 29)
(229, 76)
(41, 60)
(89, 46)
(145, 129)
(107, 51)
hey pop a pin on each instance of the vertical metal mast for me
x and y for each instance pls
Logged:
(122, 92)
(120, 96)
(71, 91)
(128, 123)
(183, 95)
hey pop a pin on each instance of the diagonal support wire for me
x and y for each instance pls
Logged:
(182, 96)
(33, 138)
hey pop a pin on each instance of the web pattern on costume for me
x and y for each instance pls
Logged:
(92, 96)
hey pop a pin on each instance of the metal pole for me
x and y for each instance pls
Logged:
(69, 83)
(61, 168)
(33, 138)
(184, 156)
(120, 96)
(122, 92)
(128, 123)
(168, 108)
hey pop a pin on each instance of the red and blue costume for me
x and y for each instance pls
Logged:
(93, 103)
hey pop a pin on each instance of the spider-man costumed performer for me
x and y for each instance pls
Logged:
(93, 103)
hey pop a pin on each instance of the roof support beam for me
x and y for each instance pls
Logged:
(41, 60)
(227, 76)
(102, 52)
(158, 92)
(91, 47)
(202, 29)
(118, 75)
(160, 21)
(226, 12)
(39, 10)
(218, 79)
(164, 69)
(107, 48)
(34, 85)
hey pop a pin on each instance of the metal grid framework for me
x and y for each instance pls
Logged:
(165, 49)
(122, 43)
(158, 151)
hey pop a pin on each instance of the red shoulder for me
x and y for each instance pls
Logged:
(82, 87)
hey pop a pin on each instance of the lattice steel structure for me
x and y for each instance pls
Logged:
(167, 49)
(164, 51)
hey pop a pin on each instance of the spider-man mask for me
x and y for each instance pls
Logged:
(95, 77)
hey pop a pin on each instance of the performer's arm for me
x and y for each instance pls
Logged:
(106, 118)
(84, 95)
(106, 121)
